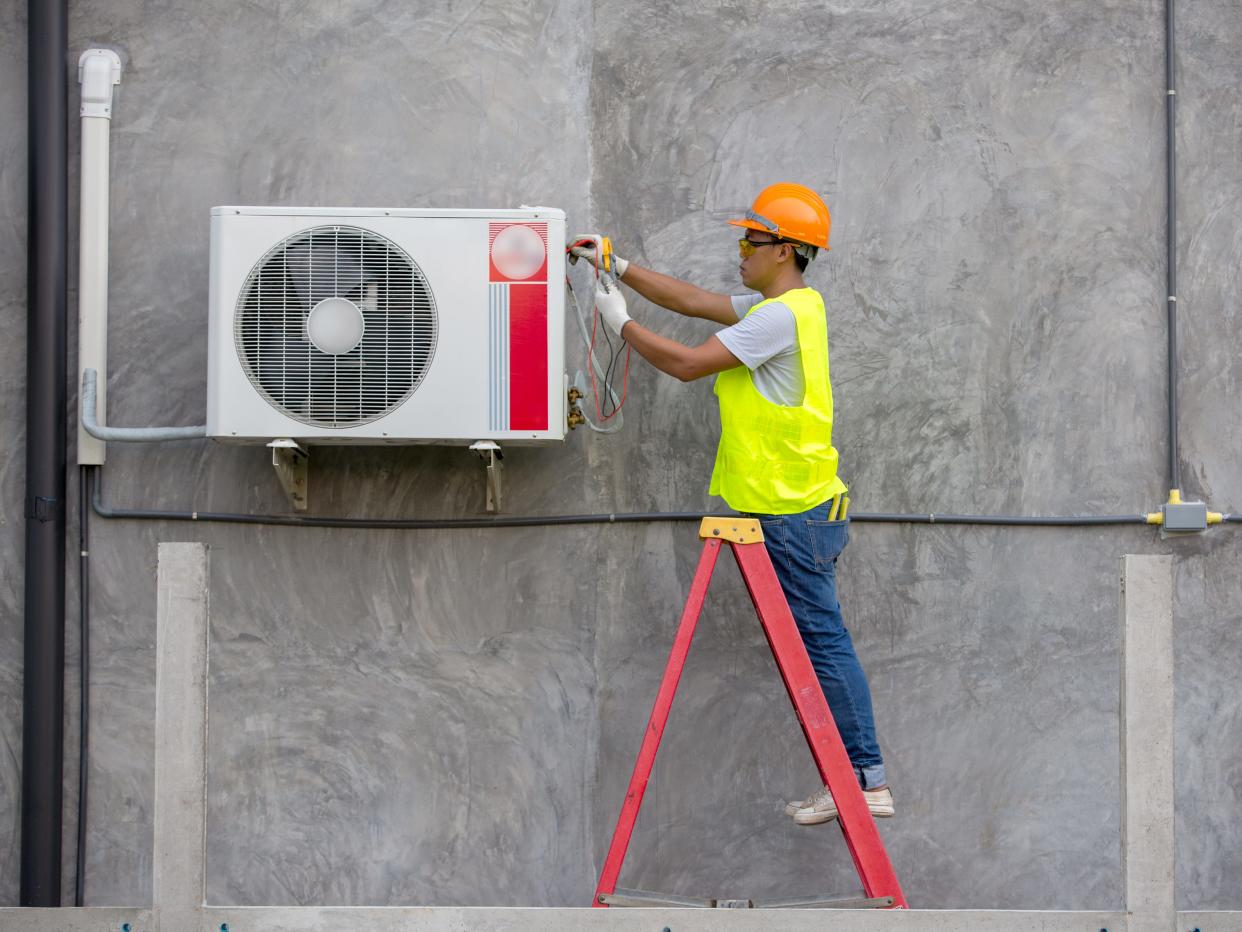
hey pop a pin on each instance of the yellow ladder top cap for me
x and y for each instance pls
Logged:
(734, 530)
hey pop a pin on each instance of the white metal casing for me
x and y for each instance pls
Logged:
(485, 381)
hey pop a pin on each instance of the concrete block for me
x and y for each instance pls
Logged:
(179, 875)
(1147, 741)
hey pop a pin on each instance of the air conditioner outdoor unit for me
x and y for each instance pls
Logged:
(386, 326)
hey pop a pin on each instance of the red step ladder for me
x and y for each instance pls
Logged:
(745, 537)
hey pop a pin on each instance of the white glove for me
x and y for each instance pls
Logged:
(590, 252)
(611, 305)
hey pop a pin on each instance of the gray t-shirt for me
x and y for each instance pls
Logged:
(767, 344)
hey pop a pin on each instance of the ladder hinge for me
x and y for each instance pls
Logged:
(735, 530)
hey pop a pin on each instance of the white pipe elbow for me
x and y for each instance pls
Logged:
(99, 70)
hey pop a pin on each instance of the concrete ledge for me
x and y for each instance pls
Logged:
(505, 919)
(1210, 921)
(446, 919)
(76, 919)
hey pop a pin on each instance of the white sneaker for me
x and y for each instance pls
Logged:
(822, 808)
(795, 804)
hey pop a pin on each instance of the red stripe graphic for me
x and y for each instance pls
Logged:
(528, 357)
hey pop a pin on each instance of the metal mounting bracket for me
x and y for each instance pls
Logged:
(291, 462)
(489, 452)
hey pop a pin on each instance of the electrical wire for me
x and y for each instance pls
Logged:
(608, 403)
(419, 524)
(602, 409)
(84, 649)
(593, 364)
(1000, 520)
(1170, 237)
(394, 524)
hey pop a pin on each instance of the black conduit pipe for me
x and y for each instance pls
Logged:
(43, 683)
(1002, 520)
(84, 674)
(1170, 116)
(427, 524)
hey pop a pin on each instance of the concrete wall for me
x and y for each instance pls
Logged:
(450, 717)
(1208, 607)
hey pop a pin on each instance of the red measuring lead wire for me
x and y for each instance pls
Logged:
(625, 376)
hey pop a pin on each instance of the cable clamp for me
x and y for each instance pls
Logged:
(44, 509)
(1172, 92)
(931, 519)
(1173, 298)
(193, 515)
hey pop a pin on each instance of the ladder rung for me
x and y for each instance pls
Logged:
(647, 898)
(826, 902)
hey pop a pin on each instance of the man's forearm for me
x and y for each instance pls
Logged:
(681, 362)
(667, 355)
(668, 292)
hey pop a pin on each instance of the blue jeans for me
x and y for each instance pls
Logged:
(804, 549)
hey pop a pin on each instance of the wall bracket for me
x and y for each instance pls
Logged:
(291, 462)
(489, 452)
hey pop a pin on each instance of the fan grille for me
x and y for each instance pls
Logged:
(370, 380)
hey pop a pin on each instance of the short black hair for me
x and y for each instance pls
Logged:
(801, 261)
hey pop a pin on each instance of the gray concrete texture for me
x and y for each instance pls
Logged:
(450, 718)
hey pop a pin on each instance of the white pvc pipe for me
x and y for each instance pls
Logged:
(98, 71)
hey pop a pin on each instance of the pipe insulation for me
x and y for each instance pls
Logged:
(127, 434)
(99, 70)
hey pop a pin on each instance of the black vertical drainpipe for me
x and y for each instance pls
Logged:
(43, 695)
(1170, 114)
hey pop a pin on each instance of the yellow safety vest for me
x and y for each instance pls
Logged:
(774, 459)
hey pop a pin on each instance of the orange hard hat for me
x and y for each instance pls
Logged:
(790, 211)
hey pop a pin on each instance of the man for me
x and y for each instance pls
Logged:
(775, 460)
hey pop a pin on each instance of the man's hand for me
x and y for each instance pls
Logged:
(611, 306)
(591, 250)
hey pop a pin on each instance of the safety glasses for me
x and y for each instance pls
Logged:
(746, 247)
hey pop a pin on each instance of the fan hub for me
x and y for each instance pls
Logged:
(336, 326)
